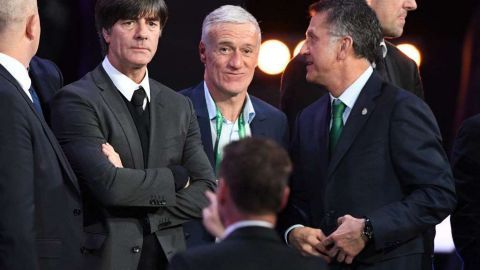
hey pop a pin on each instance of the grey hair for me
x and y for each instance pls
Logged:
(228, 14)
(356, 19)
(14, 11)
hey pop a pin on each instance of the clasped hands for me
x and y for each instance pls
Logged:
(343, 245)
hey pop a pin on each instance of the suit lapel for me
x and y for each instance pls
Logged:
(113, 99)
(259, 126)
(51, 138)
(361, 111)
(200, 106)
(158, 115)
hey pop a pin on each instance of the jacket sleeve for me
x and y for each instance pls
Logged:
(423, 171)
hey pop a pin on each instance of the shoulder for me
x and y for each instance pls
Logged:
(472, 124)
(191, 90)
(398, 56)
(264, 107)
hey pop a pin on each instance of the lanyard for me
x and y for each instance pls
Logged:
(218, 126)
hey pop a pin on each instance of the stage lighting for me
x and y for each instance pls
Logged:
(411, 51)
(274, 57)
(298, 48)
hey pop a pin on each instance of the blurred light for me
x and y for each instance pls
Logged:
(274, 57)
(298, 48)
(411, 51)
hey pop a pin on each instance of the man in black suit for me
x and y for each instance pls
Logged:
(47, 79)
(394, 66)
(134, 144)
(371, 177)
(252, 189)
(40, 203)
(466, 170)
(225, 111)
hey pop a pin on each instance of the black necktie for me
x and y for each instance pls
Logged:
(36, 101)
(138, 99)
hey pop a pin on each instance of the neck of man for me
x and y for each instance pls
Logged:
(229, 105)
(347, 74)
(236, 216)
(135, 73)
(16, 48)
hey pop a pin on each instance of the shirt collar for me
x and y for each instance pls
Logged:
(350, 95)
(17, 70)
(248, 110)
(383, 46)
(124, 84)
(246, 223)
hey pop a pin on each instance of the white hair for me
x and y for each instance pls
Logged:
(14, 11)
(228, 14)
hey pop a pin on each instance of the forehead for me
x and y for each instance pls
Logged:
(318, 24)
(234, 32)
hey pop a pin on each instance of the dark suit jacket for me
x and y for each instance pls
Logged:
(269, 122)
(40, 203)
(46, 80)
(388, 165)
(466, 170)
(246, 248)
(90, 112)
(297, 93)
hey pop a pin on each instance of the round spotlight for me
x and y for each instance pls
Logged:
(298, 48)
(411, 51)
(274, 57)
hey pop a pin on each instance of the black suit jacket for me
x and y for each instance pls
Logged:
(246, 248)
(46, 80)
(40, 203)
(92, 111)
(297, 93)
(388, 165)
(466, 170)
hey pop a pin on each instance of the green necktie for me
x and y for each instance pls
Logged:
(338, 107)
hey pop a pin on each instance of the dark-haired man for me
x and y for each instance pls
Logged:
(395, 67)
(371, 177)
(252, 189)
(134, 144)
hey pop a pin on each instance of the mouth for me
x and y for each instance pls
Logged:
(140, 49)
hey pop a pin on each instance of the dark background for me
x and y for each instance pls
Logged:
(437, 28)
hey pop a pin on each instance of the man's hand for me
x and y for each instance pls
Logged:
(112, 156)
(346, 242)
(211, 218)
(309, 241)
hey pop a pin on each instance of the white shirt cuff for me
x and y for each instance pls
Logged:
(289, 230)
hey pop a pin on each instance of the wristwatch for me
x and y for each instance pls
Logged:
(367, 233)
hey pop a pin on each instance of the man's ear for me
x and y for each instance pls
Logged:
(32, 27)
(286, 193)
(106, 35)
(346, 45)
(202, 52)
(221, 191)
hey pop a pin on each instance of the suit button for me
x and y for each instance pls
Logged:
(153, 202)
(136, 249)
(77, 212)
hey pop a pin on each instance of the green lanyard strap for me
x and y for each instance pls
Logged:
(218, 126)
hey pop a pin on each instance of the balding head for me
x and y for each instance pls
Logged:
(19, 29)
(14, 12)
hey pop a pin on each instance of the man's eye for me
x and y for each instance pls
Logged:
(224, 50)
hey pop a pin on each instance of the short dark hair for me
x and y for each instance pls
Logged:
(356, 19)
(108, 12)
(256, 171)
